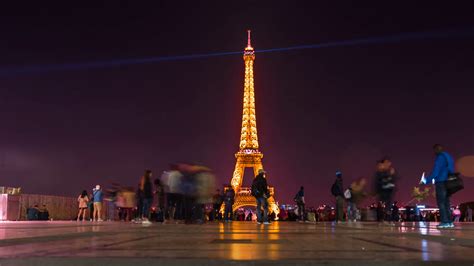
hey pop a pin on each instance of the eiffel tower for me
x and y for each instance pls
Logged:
(248, 155)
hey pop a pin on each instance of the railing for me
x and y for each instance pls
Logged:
(10, 190)
(246, 191)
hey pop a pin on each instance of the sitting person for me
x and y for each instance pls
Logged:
(43, 213)
(32, 213)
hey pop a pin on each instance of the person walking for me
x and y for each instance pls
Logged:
(160, 195)
(229, 197)
(443, 166)
(457, 214)
(217, 201)
(261, 193)
(385, 178)
(395, 212)
(97, 196)
(351, 206)
(299, 199)
(338, 192)
(145, 196)
(174, 194)
(83, 200)
(469, 214)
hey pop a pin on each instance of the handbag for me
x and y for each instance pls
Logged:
(454, 183)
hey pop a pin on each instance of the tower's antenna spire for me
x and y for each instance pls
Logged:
(248, 39)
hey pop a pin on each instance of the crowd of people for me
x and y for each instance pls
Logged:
(443, 177)
(184, 193)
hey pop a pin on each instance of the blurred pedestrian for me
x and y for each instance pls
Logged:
(205, 185)
(261, 193)
(160, 196)
(457, 214)
(83, 200)
(351, 206)
(385, 178)
(338, 192)
(126, 201)
(174, 196)
(145, 194)
(217, 201)
(395, 212)
(300, 202)
(469, 214)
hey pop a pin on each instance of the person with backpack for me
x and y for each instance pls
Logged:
(217, 201)
(229, 197)
(299, 199)
(443, 167)
(351, 205)
(261, 193)
(338, 192)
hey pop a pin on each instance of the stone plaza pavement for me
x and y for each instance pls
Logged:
(238, 243)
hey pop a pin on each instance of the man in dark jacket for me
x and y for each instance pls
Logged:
(217, 200)
(299, 199)
(261, 194)
(229, 196)
(338, 192)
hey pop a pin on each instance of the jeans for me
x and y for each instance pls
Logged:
(215, 211)
(386, 196)
(301, 211)
(442, 199)
(146, 207)
(228, 215)
(339, 208)
(351, 211)
(262, 203)
(189, 205)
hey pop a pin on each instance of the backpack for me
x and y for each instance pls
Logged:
(334, 190)
(254, 191)
(297, 198)
(347, 194)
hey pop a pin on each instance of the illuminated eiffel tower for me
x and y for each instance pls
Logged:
(248, 155)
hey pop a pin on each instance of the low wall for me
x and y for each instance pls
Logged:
(60, 208)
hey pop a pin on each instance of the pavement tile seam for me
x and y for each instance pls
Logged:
(407, 249)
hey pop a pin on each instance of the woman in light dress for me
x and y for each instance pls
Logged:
(83, 199)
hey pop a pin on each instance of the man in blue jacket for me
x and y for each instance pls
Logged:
(444, 165)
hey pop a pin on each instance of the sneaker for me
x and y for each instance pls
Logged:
(267, 223)
(259, 222)
(146, 221)
(100, 220)
(451, 225)
(443, 226)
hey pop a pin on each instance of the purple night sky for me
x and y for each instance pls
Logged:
(318, 110)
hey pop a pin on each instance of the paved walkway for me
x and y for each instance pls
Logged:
(282, 243)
